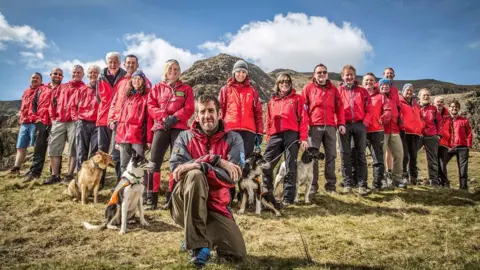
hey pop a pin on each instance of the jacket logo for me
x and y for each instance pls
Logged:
(179, 94)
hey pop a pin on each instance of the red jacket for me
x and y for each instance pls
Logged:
(394, 93)
(105, 93)
(411, 117)
(324, 104)
(447, 131)
(41, 104)
(461, 132)
(63, 101)
(287, 113)
(164, 101)
(26, 114)
(85, 104)
(134, 123)
(356, 104)
(120, 95)
(241, 107)
(381, 111)
(394, 125)
(432, 120)
(444, 112)
(196, 145)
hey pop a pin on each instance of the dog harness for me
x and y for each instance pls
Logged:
(259, 182)
(115, 198)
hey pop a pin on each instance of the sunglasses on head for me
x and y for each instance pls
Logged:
(322, 72)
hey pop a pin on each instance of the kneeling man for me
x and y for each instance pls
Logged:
(206, 162)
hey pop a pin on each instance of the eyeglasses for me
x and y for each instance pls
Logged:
(57, 74)
(322, 72)
(285, 81)
(453, 107)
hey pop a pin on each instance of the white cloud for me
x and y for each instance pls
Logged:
(24, 36)
(153, 52)
(67, 66)
(295, 41)
(474, 45)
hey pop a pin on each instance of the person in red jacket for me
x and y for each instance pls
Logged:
(62, 113)
(431, 132)
(325, 114)
(242, 111)
(206, 162)
(410, 113)
(26, 135)
(85, 109)
(287, 127)
(381, 115)
(40, 105)
(134, 123)
(444, 146)
(460, 141)
(439, 102)
(357, 106)
(170, 104)
(107, 86)
(393, 140)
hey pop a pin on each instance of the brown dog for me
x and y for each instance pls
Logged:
(89, 177)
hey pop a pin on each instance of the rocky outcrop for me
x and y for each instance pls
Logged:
(472, 106)
(8, 139)
(209, 75)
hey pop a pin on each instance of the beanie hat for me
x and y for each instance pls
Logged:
(140, 73)
(240, 65)
(383, 81)
(405, 87)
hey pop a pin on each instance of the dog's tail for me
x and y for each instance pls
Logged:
(89, 226)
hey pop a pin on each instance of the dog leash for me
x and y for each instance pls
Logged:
(277, 157)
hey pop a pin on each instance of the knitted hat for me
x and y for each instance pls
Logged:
(140, 73)
(405, 87)
(383, 81)
(240, 65)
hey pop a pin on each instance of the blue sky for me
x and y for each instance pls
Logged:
(420, 39)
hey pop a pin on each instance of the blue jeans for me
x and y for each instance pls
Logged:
(26, 136)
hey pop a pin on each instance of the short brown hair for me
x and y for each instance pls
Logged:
(350, 67)
(203, 99)
(319, 65)
(370, 73)
(390, 69)
(456, 103)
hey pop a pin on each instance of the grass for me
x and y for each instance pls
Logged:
(417, 228)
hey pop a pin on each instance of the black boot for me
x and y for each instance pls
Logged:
(154, 201)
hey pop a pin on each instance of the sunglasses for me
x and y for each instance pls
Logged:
(322, 72)
(57, 74)
(285, 81)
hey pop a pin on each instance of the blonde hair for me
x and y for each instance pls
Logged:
(167, 67)
(423, 90)
(350, 67)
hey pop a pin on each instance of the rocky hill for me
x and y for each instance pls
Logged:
(209, 75)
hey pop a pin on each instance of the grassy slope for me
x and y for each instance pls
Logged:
(418, 228)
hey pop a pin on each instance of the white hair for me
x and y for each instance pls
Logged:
(112, 55)
(95, 67)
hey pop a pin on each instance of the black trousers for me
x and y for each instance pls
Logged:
(283, 141)
(375, 141)
(104, 139)
(86, 139)
(444, 156)
(410, 144)
(431, 148)
(40, 149)
(358, 132)
(326, 135)
(249, 145)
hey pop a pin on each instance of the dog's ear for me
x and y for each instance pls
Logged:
(319, 155)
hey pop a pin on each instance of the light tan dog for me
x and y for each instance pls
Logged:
(89, 177)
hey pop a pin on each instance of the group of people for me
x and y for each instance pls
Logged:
(120, 110)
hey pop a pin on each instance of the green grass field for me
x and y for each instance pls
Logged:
(417, 228)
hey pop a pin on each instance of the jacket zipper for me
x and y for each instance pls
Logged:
(352, 104)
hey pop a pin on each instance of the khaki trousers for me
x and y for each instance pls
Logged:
(204, 228)
(394, 143)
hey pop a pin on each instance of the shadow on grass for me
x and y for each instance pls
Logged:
(273, 262)
(431, 197)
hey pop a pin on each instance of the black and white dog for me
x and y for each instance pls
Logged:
(127, 197)
(304, 172)
(251, 186)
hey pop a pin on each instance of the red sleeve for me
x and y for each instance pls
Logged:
(339, 110)
(112, 113)
(186, 112)
(439, 122)
(223, 100)
(44, 104)
(53, 108)
(74, 108)
(149, 128)
(258, 112)
(386, 110)
(303, 125)
(152, 104)
(368, 108)
(468, 131)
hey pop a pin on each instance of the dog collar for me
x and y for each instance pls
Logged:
(96, 166)
(137, 178)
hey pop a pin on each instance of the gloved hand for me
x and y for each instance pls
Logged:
(258, 139)
(169, 121)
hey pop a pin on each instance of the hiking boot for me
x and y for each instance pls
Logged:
(54, 179)
(30, 177)
(413, 180)
(347, 190)
(15, 170)
(362, 191)
(154, 204)
(200, 256)
(286, 204)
